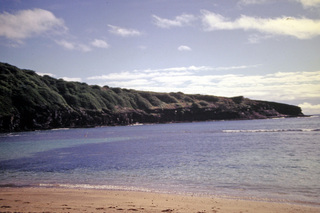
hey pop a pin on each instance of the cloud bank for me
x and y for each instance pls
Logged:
(279, 86)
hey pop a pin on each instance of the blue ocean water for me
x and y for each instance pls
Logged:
(274, 159)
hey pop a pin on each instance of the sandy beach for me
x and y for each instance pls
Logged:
(80, 200)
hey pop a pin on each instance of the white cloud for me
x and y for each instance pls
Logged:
(83, 47)
(45, 73)
(237, 67)
(305, 3)
(124, 32)
(179, 21)
(72, 79)
(256, 38)
(70, 45)
(28, 23)
(66, 44)
(184, 48)
(301, 28)
(74, 46)
(100, 43)
(309, 3)
(310, 109)
(248, 2)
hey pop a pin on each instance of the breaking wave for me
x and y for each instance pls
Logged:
(100, 187)
(268, 130)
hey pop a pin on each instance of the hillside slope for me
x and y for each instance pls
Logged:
(29, 102)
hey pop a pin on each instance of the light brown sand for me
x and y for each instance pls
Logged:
(74, 200)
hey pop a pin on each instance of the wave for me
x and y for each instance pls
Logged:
(58, 129)
(9, 135)
(268, 130)
(100, 187)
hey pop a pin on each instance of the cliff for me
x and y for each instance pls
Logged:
(30, 102)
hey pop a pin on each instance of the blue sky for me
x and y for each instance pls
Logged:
(261, 49)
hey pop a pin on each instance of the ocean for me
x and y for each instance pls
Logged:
(271, 159)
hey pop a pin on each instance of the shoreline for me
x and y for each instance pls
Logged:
(28, 199)
(153, 123)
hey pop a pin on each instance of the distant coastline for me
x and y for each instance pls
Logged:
(33, 102)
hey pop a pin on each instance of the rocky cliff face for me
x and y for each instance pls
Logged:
(29, 102)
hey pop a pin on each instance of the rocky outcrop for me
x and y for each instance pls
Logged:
(30, 102)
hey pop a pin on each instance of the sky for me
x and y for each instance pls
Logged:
(259, 49)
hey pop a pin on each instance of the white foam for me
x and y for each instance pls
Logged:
(57, 129)
(267, 130)
(101, 187)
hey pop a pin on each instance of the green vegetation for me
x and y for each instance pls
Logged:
(30, 101)
(25, 89)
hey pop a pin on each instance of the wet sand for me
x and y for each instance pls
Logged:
(82, 200)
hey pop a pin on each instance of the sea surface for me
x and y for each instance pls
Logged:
(273, 159)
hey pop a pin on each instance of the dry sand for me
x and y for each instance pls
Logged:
(80, 200)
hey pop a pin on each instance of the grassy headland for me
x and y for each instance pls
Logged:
(29, 101)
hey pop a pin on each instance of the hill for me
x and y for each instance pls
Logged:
(29, 101)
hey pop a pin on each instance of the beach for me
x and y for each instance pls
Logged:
(85, 200)
(230, 166)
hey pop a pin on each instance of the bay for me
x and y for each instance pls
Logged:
(273, 159)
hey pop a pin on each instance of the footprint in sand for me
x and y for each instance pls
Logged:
(167, 210)
(100, 208)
